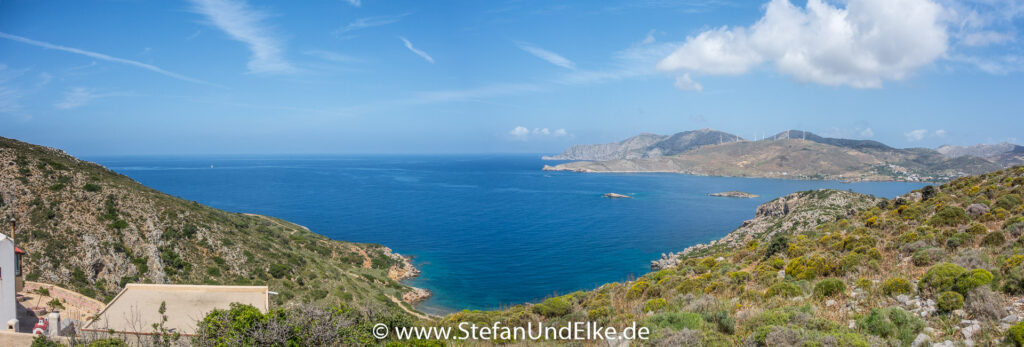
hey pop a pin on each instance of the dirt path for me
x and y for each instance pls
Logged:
(414, 313)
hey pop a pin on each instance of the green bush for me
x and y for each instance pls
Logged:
(829, 287)
(92, 188)
(676, 321)
(553, 307)
(950, 216)
(784, 289)
(1009, 201)
(927, 256)
(994, 239)
(977, 228)
(972, 279)
(779, 244)
(278, 270)
(896, 286)
(1013, 281)
(1015, 335)
(949, 301)
(654, 305)
(941, 277)
(892, 323)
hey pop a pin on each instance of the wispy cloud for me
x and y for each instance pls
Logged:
(369, 22)
(330, 56)
(102, 56)
(245, 24)
(547, 55)
(79, 96)
(418, 52)
(473, 93)
(355, 3)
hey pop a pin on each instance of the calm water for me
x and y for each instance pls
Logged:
(486, 230)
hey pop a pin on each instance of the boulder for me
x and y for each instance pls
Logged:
(976, 210)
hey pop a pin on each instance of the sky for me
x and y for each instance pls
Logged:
(380, 76)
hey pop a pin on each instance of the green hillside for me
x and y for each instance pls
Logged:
(92, 230)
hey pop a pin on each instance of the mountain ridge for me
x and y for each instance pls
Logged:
(793, 154)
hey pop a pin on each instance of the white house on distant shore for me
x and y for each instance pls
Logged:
(10, 281)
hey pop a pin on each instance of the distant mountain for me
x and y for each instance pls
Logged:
(982, 150)
(646, 146)
(796, 154)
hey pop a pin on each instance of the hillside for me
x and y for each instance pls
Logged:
(802, 155)
(92, 230)
(646, 146)
(942, 264)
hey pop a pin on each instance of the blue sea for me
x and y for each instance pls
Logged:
(486, 230)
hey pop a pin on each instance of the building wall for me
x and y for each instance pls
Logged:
(8, 293)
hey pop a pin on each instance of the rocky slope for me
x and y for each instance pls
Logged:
(90, 229)
(943, 265)
(646, 146)
(801, 155)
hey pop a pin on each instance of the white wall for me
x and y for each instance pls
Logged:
(8, 267)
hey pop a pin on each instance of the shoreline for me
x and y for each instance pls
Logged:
(789, 178)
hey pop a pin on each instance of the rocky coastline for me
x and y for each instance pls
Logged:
(735, 194)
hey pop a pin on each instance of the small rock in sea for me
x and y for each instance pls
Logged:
(617, 196)
(735, 194)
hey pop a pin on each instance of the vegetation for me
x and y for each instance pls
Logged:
(94, 231)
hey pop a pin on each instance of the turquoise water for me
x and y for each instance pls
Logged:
(488, 230)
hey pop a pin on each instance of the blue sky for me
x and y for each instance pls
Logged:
(226, 77)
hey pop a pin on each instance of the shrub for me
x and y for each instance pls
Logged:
(553, 307)
(994, 239)
(829, 287)
(1016, 334)
(278, 270)
(1009, 201)
(896, 286)
(784, 289)
(940, 278)
(1013, 282)
(676, 320)
(723, 322)
(779, 243)
(977, 228)
(638, 289)
(927, 256)
(972, 279)
(949, 301)
(983, 303)
(655, 305)
(892, 323)
(90, 187)
(928, 192)
(950, 216)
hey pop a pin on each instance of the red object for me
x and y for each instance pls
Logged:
(41, 326)
(18, 250)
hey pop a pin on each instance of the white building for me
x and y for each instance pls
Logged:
(10, 281)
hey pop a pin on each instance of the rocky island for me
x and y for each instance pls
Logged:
(735, 194)
(617, 196)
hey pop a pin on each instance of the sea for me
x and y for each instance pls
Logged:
(487, 231)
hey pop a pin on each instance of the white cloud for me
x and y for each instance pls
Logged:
(684, 83)
(649, 39)
(418, 52)
(867, 132)
(355, 3)
(246, 25)
(369, 22)
(519, 131)
(861, 45)
(524, 133)
(101, 56)
(79, 96)
(940, 133)
(916, 135)
(547, 55)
